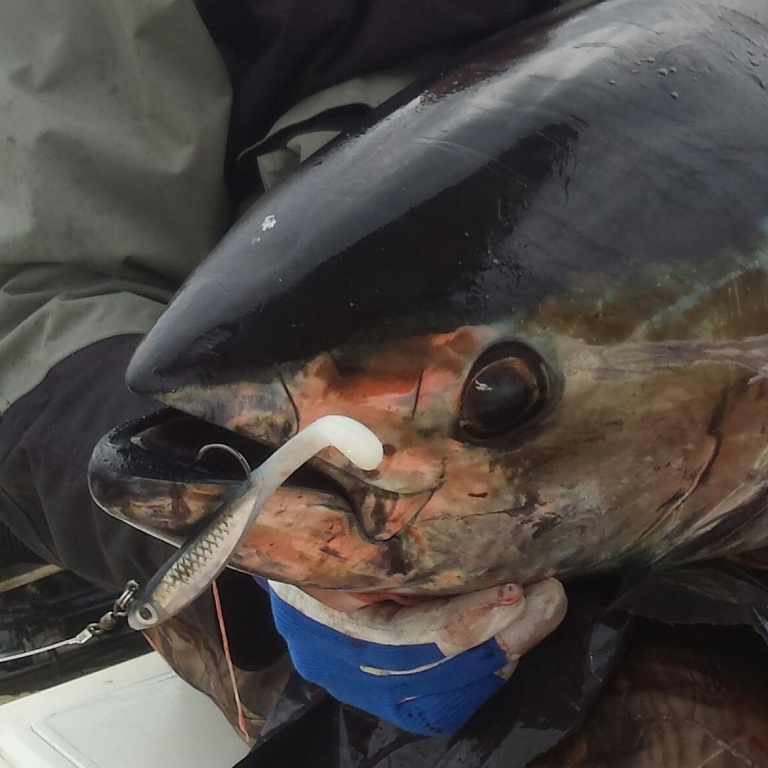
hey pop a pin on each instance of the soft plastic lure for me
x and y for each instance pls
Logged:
(200, 560)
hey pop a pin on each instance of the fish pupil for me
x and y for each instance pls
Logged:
(504, 391)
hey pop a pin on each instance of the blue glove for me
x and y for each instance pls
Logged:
(427, 668)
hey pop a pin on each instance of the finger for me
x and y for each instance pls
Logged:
(343, 600)
(544, 608)
(341, 663)
(454, 624)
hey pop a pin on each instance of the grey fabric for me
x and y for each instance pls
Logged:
(114, 120)
(370, 91)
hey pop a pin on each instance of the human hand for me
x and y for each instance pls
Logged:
(427, 667)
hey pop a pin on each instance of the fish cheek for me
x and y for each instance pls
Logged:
(591, 483)
(646, 443)
(722, 514)
(309, 541)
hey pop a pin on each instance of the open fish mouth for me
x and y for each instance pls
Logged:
(149, 474)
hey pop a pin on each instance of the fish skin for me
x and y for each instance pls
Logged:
(555, 193)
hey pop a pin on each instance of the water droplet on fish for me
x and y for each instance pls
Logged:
(754, 62)
(675, 95)
(611, 82)
(651, 59)
(269, 222)
(663, 72)
(672, 70)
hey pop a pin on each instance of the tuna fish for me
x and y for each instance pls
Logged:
(541, 279)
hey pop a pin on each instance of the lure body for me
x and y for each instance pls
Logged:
(189, 572)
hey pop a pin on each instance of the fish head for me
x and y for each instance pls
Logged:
(547, 302)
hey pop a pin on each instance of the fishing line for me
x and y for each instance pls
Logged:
(230, 666)
(228, 449)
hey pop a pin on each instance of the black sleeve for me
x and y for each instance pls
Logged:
(46, 439)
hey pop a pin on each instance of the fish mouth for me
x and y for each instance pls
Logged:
(165, 447)
(319, 528)
(177, 439)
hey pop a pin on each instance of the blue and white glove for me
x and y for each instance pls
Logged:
(426, 668)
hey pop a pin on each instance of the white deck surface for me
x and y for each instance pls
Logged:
(137, 714)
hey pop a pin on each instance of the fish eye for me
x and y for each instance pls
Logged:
(508, 385)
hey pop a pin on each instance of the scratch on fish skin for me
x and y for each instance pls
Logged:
(416, 397)
(709, 759)
(596, 45)
(552, 141)
(511, 513)
(762, 620)
(745, 16)
(290, 398)
(669, 507)
(716, 433)
(714, 450)
(492, 163)
(438, 486)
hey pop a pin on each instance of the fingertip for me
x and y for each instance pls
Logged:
(509, 594)
(548, 598)
(544, 609)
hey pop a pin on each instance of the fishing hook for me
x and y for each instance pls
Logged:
(231, 451)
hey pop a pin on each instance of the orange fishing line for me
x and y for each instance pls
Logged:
(228, 657)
